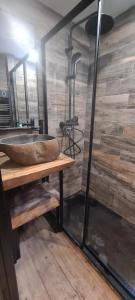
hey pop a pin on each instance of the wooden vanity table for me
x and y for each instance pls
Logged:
(13, 176)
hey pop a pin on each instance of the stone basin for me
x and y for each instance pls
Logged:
(30, 149)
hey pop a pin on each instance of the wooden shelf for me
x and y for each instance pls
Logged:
(14, 175)
(31, 202)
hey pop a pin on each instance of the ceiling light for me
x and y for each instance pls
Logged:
(21, 34)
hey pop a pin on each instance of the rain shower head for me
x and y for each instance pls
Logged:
(76, 57)
(107, 24)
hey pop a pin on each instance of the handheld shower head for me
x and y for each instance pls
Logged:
(76, 57)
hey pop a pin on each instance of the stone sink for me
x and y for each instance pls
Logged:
(30, 149)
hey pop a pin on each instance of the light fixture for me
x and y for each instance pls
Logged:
(21, 34)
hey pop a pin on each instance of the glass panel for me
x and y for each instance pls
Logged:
(111, 231)
(82, 43)
(73, 58)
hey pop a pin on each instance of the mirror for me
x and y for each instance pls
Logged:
(18, 73)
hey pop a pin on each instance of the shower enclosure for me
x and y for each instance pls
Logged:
(89, 102)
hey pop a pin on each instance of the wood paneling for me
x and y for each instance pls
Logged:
(41, 19)
(58, 98)
(113, 165)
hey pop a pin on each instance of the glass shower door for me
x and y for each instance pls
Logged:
(111, 227)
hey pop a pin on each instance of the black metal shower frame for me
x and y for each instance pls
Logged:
(111, 277)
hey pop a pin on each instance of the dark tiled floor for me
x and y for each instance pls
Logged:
(111, 237)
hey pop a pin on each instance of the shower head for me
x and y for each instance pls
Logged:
(76, 57)
(107, 24)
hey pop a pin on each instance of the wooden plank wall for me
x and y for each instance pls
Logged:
(42, 19)
(58, 100)
(113, 165)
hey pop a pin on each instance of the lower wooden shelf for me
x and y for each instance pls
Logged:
(28, 203)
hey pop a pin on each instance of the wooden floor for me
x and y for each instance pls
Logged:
(52, 267)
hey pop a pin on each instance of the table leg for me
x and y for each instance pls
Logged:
(61, 198)
(4, 291)
(16, 246)
(57, 221)
(6, 247)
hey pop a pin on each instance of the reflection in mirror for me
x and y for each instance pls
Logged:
(18, 76)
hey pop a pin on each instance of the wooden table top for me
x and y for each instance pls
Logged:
(14, 175)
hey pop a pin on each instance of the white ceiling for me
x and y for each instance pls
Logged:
(12, 36)
(9, 43)
(112, 7)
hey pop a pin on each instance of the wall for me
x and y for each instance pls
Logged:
(42, 20)
(113, 164)
(3, 73)
(113, 155)
(58, 101)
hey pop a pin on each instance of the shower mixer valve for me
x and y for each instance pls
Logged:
(69, 123)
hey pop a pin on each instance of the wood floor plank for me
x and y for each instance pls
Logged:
(83, 277)
(64, 271)
(51, 274)
(29, 283)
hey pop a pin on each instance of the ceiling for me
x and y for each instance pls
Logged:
(15, 38)
(112, 7)
(10, 35)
